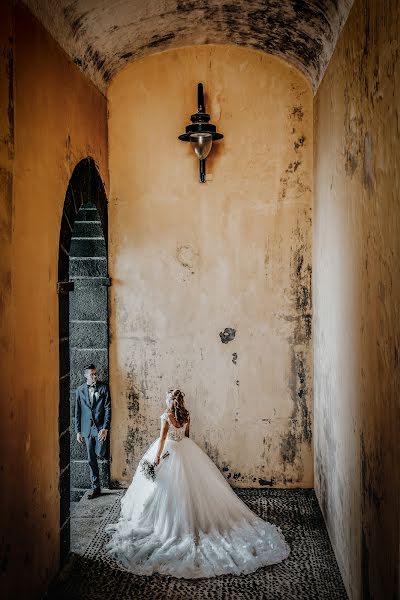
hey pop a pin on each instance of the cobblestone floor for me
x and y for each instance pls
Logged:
(310, 572)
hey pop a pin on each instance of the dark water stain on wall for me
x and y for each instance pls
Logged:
(302, 32)
(134, 440)
(322, 484)
(115, 484)
(369, 475)
(368, 164)
(300, 428)
(94, 56)
(213, 452)
(159, 40)
(353, 125)
(187, 257)
(372, 489)
(10, 135)
(269, 482)
(6, 224)
(288, 447)
(68, 148)
(299, 395)
(187, 5)
(299, 431)
(6, 185)
(298, 112)
(299, 143)
(227, 335)
(293, 166)
(133, 403)
(365, 567)
(301, 286)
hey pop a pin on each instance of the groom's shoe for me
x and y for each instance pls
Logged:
(94, 493)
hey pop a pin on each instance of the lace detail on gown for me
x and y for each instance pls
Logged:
(188, 522)
(174, 433)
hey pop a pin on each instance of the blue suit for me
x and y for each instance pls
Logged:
(89, 420)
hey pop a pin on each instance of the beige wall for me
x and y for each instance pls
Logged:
(356, 299)
(59, 119)
(188, 260)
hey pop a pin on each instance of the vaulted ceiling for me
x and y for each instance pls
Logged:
(102, 36)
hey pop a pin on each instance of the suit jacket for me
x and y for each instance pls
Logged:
(99, 413)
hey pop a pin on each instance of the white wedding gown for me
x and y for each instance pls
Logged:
(188, 522)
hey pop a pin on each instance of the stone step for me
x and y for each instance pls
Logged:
(87, 247)
(88, 267)
(76, 494)
(87, 229)
(88, 213)
(80, 474)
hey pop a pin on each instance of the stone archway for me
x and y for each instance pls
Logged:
(88, 329)
(85, 188)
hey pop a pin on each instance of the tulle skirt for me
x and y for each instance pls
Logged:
(188, 522)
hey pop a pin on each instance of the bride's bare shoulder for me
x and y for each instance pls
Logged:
(174, 422)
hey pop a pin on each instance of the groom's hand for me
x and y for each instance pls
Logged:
(103, 435)
(79, 437)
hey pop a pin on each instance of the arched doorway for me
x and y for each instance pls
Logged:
(87, 279)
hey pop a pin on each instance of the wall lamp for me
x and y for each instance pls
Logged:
(200, 133)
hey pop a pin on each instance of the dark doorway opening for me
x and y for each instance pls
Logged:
(83, 321)
(88, 332)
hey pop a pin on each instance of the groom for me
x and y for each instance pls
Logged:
(92, 422)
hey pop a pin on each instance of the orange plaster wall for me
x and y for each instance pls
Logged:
(59, 118)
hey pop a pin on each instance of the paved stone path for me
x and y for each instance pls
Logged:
(310, 572)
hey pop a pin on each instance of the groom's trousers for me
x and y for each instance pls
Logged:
(95, 449)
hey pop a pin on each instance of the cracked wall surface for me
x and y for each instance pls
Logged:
(212, 282)
(102, 36)
(356, 249)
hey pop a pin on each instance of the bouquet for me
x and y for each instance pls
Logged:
(149, 468)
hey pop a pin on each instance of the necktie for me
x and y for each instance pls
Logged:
(91, 393)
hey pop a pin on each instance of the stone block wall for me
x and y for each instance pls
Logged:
(88, 328)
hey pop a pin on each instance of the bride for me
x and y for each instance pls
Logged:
(180, 516)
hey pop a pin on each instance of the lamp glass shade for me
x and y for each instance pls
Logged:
(201, 144)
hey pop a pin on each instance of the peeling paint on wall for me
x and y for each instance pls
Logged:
(214, 292)
(228, 335)
(356, 292)
(103, 39)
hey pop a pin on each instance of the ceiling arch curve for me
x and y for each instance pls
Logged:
(102, 36)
